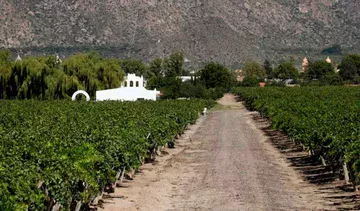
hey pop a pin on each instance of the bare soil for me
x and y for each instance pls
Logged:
(230, 160)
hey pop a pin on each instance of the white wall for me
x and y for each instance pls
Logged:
(133, 78)
(127, 94)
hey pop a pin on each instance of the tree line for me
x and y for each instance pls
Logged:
(48, 77)
(319, 72)
(209, 82)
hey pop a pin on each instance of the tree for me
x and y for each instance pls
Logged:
(332, 79)
(319, 69)
(5, 71)
(46, 78)
(84, 68)
(350, 67)
(133, 66)
(254, 69)
(33, 85)
(92, 73)
(286, 70)
(5, 57)
(110, 74)
(174, 65)
(171, 87)
(268, 68)
(154, 82)
(215, 75)
(250, 82)
(156, 67)
(190, 90)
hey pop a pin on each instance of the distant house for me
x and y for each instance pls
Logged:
(132, 89)
(185, 78)
(188, 78)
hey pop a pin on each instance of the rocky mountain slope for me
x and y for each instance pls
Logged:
(228, 31)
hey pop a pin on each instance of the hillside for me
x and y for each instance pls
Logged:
(227, 31)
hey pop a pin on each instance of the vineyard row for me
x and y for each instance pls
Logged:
(325, 120)
(64, 153)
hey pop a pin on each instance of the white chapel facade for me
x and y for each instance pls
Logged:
(132, 89)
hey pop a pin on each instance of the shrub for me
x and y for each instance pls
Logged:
(319, 69)
(250, 82)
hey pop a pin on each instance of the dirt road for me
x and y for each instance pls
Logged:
(226, 164)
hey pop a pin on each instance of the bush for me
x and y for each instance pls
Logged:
(189, 90)
(286, 70)
(276, 84)
(350, 67)
(254, 69)
(67, 151)
(332, 79)
(249, 82)
(216, 93)
(319, 69)
(215, 75)
(312, 83)
(323, 119)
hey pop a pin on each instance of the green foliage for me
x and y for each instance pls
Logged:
(189, 90)
(332, 79)
(323, 119)
(321, 73)
(170, 87)
(286, 70)
(69, 151)
(154, 83)
(133, 66)
(250, 82)
(319, 69)
(5, 57)
(268, 69)
(156, 67)
(155, 74)
(174, 64)
(164, 75)
(210, 83)
(254, 69)
(109, 74)
(276, 84)
(216, 93)
(46, 78)
(215, 75)
(5, 71)
(350, 67)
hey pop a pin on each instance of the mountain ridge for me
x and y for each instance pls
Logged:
(226, 31)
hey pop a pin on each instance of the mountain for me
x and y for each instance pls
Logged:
(227, 31)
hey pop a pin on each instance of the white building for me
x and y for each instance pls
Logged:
(131, 89)
(185, 78)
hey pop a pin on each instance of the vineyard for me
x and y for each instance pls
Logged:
(66, 153)
(324, 120)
